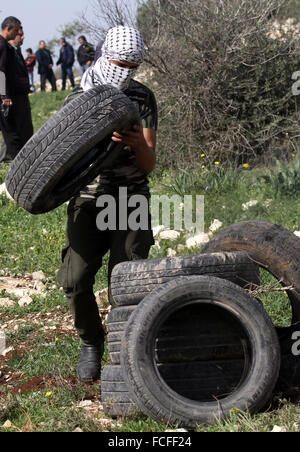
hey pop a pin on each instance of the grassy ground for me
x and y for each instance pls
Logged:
(39, 391)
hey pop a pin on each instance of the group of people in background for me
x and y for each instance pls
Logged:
(85, 55)
(17, 80)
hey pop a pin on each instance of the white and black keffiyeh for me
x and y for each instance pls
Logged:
(121, 44)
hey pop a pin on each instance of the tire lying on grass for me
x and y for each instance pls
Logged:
(114, 393)
(270, 246)
(70, 149)
(132, 281)
(216, 387)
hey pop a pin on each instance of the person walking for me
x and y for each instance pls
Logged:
(123, 52)
(85, 54)
(45, 66)
(15, 117)
(66, 60)
(30, 62)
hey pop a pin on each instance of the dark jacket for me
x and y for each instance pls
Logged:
(7, 65)
(44, 58)
(85, 53)
(66, 56)
(22, 85)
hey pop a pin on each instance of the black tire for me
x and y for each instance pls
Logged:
(132, 281)
(70, 149)
(271, 246)
(178, 340)
(114, 394)
(116, 323)
(255, 380)
(289, 377)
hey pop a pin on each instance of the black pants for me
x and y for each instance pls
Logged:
(17, 128)
(82, 258)
(51, 78)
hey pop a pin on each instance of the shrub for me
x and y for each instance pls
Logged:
(224, 85)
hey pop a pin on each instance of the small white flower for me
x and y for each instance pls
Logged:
(216, 224)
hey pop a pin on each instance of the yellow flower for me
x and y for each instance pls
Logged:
(293, 155)
(202, 166)
(202, 155)
(246, 165)
(49, 394)
(217, 163)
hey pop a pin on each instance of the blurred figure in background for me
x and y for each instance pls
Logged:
(30, 61)
(98, 53)
(15, 119)
(66, 59)
(45, 65)
(85, 54)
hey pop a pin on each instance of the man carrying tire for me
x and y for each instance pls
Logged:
(123, 52)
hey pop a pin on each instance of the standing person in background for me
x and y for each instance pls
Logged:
(85, 54)
(15, 115)
(21, 105)
(30, 61)
(66, 59)
(45, 65)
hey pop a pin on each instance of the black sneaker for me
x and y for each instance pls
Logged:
(89, 366)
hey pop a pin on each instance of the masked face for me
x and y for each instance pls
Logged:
(122, 52)
(116, 73)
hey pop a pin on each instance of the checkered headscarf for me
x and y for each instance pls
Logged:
(121, 44)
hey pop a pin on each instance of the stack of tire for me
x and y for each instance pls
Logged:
(188, 343)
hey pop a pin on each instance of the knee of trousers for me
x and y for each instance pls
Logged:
(76, 277)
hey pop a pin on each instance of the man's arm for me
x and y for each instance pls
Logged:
(143, 143)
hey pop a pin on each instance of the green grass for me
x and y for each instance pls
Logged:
(25, 248)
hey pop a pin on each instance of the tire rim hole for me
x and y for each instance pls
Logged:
(203, 353)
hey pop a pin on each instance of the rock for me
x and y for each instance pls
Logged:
(3, 191)
(171, 253)
(169, 235)
(6, 351)
(197, 240)
(78, 430)
(7, 424)
(249, 204)
(278, 429)
(297, 233)
(38, 276)
(102, 296)
(216, 224)
(25, 301)
(85, 403)
(158, 229)
(6, 303)
(179, 430)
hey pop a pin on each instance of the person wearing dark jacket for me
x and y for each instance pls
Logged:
(45, 65)
(15, 120)
(66, 59)
(85, 54)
